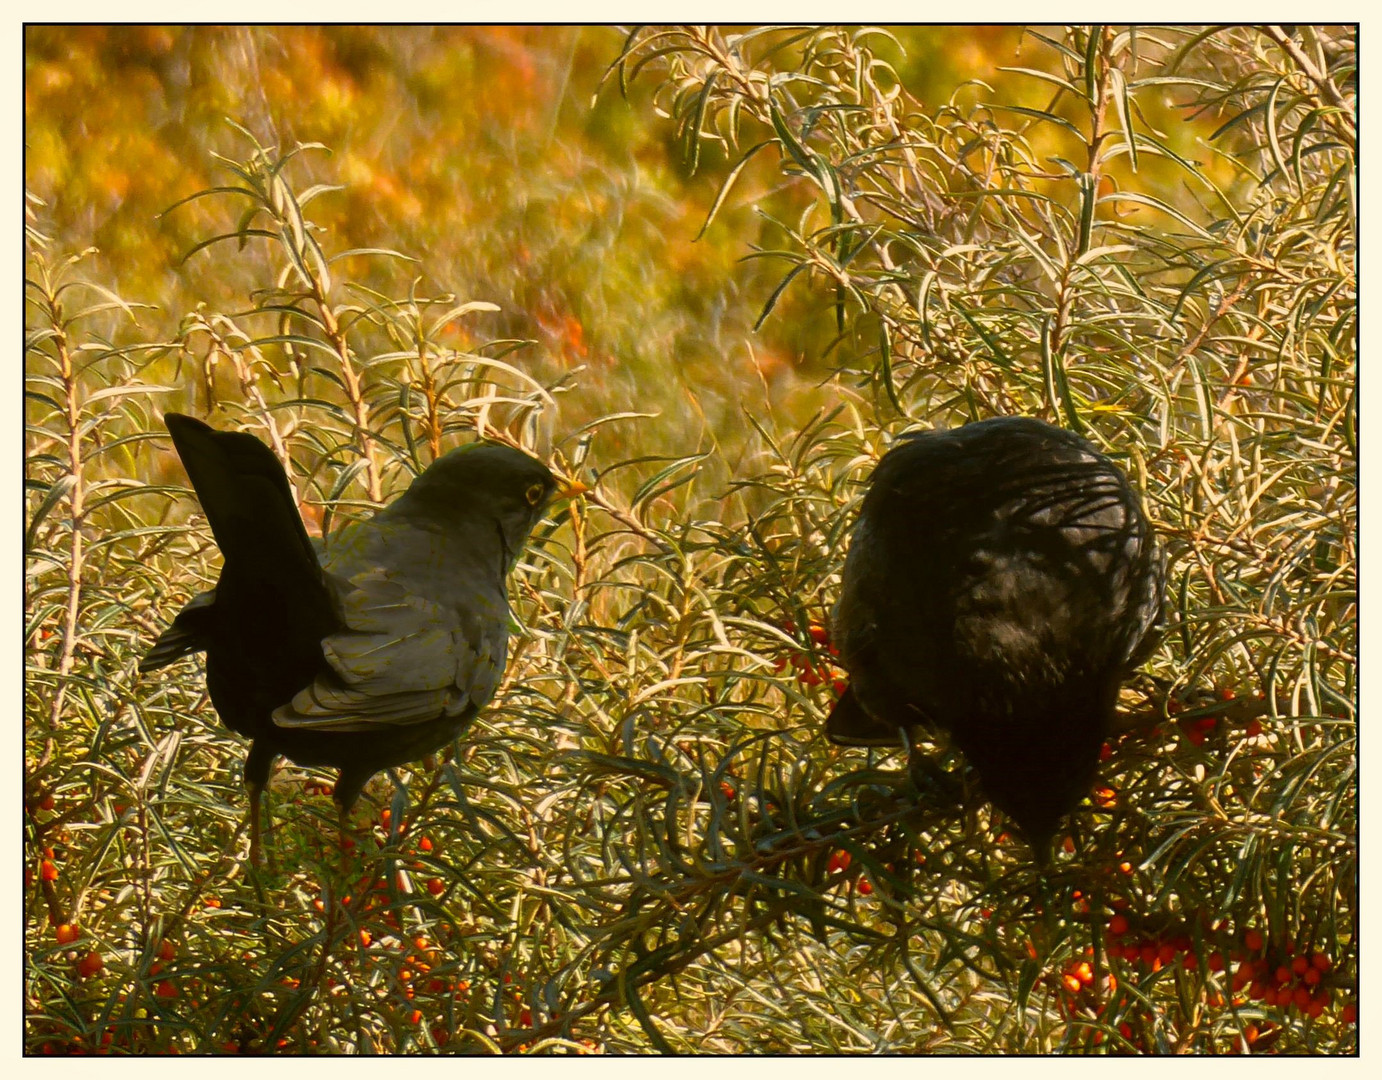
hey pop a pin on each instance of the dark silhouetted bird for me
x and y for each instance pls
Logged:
(1000, 584)
(381, 652)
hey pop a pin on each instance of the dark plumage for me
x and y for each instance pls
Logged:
(1000, 584)
(381, 652)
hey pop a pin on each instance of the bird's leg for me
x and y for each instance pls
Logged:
(255, 791)
(257, 767)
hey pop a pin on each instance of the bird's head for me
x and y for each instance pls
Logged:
(485, 486)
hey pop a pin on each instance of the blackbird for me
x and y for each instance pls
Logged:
(1001, 582)
(380, 651)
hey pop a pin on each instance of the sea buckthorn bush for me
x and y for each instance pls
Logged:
(645, 843)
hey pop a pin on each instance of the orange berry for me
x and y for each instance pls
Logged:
(436, 886)
(1084, 972)
(47, 870)
(424, 844)
(365, 938)
(1118, 925)
(1071, 983)
(90, 964)
(212, 902)
(1226, 694)
(415, 1017)
(1125, 867)
(66, 933)
(840, 860)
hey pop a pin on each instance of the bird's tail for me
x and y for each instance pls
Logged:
(271, 597)
(849, 725)
(245, 495)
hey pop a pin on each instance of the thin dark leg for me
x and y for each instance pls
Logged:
(257, 767)
(255, 847)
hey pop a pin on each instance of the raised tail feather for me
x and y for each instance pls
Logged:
(271, 605)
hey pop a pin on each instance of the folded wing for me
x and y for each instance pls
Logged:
(423, 638)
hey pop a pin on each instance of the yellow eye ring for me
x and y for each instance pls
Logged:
(534, 493)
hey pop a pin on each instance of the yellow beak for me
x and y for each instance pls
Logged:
(569, 489)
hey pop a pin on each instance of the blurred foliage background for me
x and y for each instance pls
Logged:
(714, 271)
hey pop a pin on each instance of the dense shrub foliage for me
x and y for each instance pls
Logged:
(646, 844)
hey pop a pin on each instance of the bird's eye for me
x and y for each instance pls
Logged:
(534, 494)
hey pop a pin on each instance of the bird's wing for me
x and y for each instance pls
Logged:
(185, 635)
(418, 644)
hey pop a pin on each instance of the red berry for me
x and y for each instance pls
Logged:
(424, 844)
(839, 861)
(1300, 964)
(1226, 694)
(819, 634)
(864, 887)
(1253, 940)
(1105, 752)
(1283, 975)
(435, 886)
(66, 933)
(90, 964)
(47, 802)
(1206, 723)
(165, 989)
(1301, 997)
(1166, 952)
(1254, 728)
(1320, 962)
(1349, 1014)
(1215, 961)
(1118, 925)
(166, 950)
